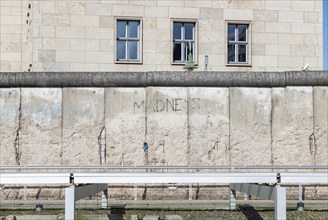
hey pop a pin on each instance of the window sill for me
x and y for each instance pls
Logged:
(181, 63)
(129, 62)
(239, 64)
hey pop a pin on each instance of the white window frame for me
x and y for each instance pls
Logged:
(236, 42)
(127, 40)
(183, 41)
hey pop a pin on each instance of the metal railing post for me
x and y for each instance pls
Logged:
(70, 203)
(280, 203)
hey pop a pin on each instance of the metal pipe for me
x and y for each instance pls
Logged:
(170, 79)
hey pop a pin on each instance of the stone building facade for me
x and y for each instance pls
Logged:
(157, 35)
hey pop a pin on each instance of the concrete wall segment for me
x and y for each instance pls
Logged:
(10, 126)
(250, 126)
(292, 116)
(208, 129)
(167, 126)
(83, 120)
(125, 123)
(40, 126)
(320, 113)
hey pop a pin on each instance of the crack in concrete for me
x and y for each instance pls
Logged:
(18, 152)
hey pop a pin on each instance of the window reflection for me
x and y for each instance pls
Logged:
(183, 41)
(237, 43)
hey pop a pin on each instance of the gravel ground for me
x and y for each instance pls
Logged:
(244, 214)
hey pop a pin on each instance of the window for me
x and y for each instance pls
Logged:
(238, 41)
(128, 41)
(183, 41)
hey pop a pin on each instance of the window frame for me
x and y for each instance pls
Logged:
(248, 43)
(183, 41)
(127, 40)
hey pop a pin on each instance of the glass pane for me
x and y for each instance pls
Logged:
(189, 31)
(121, 28)
(242, 53)
(231, 53)
(133, 29)
(177, 30)
(231, 32)
(188, 48)
(133, 50)
(177, 52)
(242, 30)
(120, 53)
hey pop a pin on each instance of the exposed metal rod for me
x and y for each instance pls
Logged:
(158, 78)
(246, 167)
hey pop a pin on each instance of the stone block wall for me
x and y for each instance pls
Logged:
(60, 35)
(182, 126)
(15, 35)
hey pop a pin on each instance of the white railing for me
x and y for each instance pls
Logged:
(82, 185)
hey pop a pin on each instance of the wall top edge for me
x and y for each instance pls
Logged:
(163, 79)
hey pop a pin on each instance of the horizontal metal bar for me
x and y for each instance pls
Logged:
(231, 167)
(35, 178)
(111, 178)
(165, 177)
(305, 178)
(160, 78)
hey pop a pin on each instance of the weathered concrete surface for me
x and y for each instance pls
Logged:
(125, 126)
(167, 126)
(292, 125)
(9, 126)
(83, 121)
(40, 126)
(320, 103)
(208, 117)
(164, 79)
(250, 126)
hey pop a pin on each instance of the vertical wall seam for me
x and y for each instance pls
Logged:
(104, 122)
(62, 126)
(188, 128)
(229, 109)
(271, 126)
(313, 126)
(146, 124)
(16, 143)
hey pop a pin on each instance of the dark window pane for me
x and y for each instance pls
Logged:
(133, 50)
(121, 28)
(177, 30)
(231, 53)
(133, 29)
(231, 32)
(242, 53)
(242, 31)
(121, 48)
(189, 31)
(177, 52)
